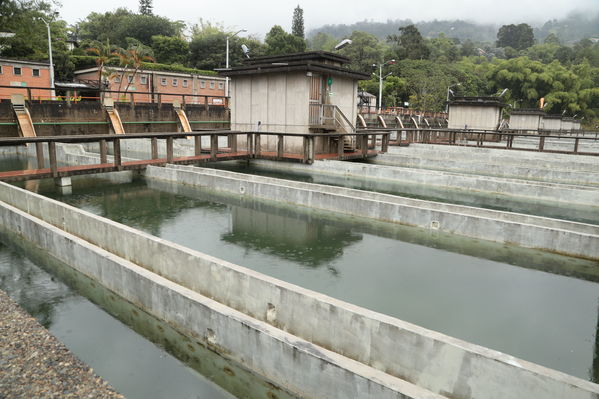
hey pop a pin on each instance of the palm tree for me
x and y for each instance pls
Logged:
(103, 52)
(135, 56)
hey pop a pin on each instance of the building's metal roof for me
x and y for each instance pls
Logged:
(478, 101)
(295, 63)
(527, 111)
(24, 62)
(318, 56)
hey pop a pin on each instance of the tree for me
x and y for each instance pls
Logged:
(409, 44)
(322, 41)
(442, 49)
(519, 37)
(208, 44)
(121, 24)
(24, 19)
(364, 51)
(170, 49)
(280, 42)
(551, 39)
(145, 7)
(297, 24)
(104, 53)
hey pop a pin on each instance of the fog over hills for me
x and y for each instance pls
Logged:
(569, 29)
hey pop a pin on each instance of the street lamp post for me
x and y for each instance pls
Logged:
(381, 77)
(448, 91)
(227, 60)
(53, 93)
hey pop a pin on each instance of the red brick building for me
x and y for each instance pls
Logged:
(210, 88)
(17, 73)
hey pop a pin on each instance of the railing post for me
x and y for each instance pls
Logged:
(103, 152)
(257, 146)
(154, 145)
(365, 145)
(541, 143)
(197, 145)
(52, 154)
(250, 145)
(39, 152)
(340, 146)
(311, 150)
(29, 94)
(576, 145)
(117, 154)
(280, 146)
(385, 142)
(232, 142)
(169, 149)
(213, 146)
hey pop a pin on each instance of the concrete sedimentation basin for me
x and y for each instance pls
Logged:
(305, 343)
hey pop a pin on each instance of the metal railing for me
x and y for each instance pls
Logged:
(122, 96)
(504, 139)
(329, 116)
(214, 152)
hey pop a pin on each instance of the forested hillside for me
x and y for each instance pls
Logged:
(569, 29)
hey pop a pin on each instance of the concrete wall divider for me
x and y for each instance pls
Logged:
(386, 356)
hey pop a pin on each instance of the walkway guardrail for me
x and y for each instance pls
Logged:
(32, 94)
(251, 148)
(504, 139)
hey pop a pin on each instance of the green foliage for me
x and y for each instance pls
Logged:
(364, 51)
(409, 44)
(208, 47)
(121, 24)
(145, 7)
(25, 18)
(322, 41)
(443, 49)
(170, 49)
(279, 42)
(394, 90)
(518, 37)
(297, 23)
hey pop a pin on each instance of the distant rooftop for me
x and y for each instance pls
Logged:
(527, 111)
(24, 62)
(491, 101)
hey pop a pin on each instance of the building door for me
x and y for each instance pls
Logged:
(315, 99)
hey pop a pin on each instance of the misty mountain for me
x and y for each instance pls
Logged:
(569, 29)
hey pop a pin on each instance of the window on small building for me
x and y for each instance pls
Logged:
(212, 85)
(130, 79)
(35, 72)
(163, 81)
(175, 82)
(16, 71)
(184, 83)
(143, 80)
(220, 85)
(203, 84)
(1, 71)
(117, 80)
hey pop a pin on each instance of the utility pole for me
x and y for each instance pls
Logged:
(381, 77)
(449, 91)
(53, 92)
(227, 60)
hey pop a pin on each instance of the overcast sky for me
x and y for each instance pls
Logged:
(259, 16)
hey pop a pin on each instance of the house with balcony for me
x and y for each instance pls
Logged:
(311, 92)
